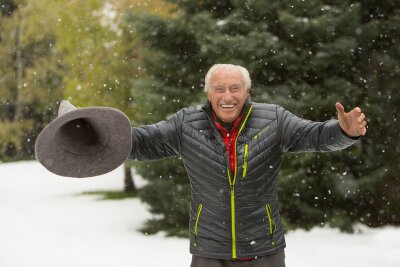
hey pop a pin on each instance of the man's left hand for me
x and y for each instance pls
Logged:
(352, 123)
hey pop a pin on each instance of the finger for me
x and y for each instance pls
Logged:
(357, 110)
(339, 108)
(361, 118)
(363, 131)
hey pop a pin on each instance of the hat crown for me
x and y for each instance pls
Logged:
(65, 107)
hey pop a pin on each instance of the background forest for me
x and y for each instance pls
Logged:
(149, 58)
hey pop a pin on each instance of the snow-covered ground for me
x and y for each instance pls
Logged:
(45, 222)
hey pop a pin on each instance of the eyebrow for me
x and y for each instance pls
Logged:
(220, 85)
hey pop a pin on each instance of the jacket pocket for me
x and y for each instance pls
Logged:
(196, 225)
(272, 225)
(246, 156)
(261, 131)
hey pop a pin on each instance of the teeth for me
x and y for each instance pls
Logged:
(227, 106)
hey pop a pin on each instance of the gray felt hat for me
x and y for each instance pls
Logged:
(84, 142)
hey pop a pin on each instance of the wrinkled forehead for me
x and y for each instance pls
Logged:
(227, 76)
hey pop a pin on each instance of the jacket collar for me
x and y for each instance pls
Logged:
(208, 111)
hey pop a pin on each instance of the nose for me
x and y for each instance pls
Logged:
(227, 95)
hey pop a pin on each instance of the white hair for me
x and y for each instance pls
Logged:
(245, 73)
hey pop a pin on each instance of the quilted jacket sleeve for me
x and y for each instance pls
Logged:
(300, 135)
(159, 140)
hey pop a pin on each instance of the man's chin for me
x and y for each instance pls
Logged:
(227, 116)
(228, 119)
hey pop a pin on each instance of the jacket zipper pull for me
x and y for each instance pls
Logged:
(197, 224)
(272, 225)
(246, 155)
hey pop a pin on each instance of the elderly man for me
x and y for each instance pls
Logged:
(232, 149)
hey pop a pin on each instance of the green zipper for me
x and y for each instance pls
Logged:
(233, 216)
(197, 224)
(232, 186)
(272, 225)
(246, 155)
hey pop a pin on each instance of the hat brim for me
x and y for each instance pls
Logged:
(117, 145)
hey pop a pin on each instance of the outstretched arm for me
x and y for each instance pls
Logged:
(157, 141)
(352, 123)
(300, 135)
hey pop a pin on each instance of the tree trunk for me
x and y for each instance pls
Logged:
(19, 70)
(129, 185)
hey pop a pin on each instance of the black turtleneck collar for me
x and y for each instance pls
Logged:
(226, 125)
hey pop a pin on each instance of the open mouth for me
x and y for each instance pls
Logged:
(227, 107)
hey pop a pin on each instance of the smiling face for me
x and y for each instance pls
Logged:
(227, 94)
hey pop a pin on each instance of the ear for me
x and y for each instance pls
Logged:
(208, 96)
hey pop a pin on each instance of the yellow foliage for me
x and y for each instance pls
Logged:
(155, 7)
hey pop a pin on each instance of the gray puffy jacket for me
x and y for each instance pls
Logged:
(235, 216)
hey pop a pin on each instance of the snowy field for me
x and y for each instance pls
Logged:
(44, 222)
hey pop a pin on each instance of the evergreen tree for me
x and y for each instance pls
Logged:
(352, 58)
(304, 55)
(170, 81)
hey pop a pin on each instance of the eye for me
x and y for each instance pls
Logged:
(220, 89)
(235, 88)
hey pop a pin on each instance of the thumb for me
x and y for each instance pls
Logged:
(339, 108)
